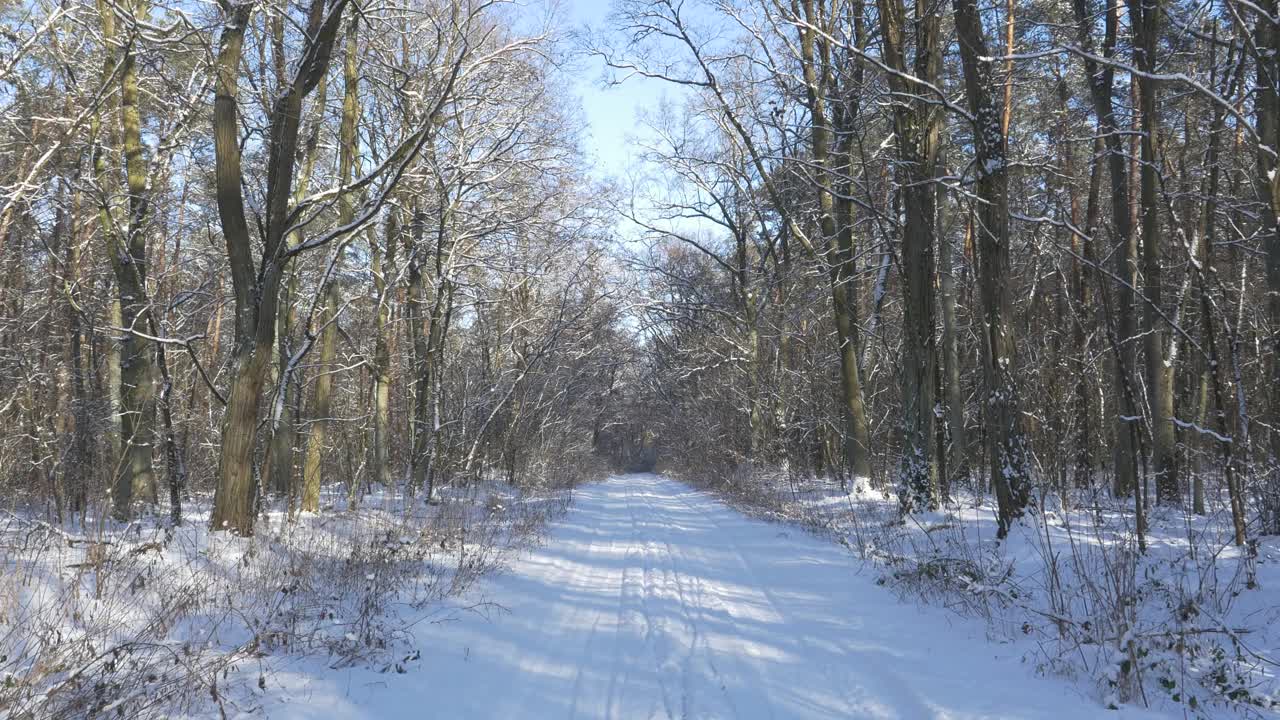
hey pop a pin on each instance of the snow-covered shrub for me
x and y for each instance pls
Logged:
(1189, 622)
(147, 621)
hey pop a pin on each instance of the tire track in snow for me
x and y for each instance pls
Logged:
(648, 618)
(700, 653)
(713, 615)
(850, 684)
(695, 655)
(595, 579)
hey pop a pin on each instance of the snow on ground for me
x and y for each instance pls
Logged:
(147, 621)
(650, 599)
(1191, 626)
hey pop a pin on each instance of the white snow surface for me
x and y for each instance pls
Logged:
(650, 599)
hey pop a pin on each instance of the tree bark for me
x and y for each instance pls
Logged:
(1010, 466)
(917, 126)
(279, 473)
(129, 262)
(838, 241)
(322, 408)
(1267, 109)
(384, 271)
(1101, 86)
(1145, 16)
(256, 294)
(953, 394)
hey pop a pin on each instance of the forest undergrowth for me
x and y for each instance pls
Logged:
(144, 620)
(1187, 624)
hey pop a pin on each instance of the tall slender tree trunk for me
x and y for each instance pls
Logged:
(233, 500)
(1212, 375)
(279, 472)
(322, 408)
(118, 459)
(1145, 18)
(1082, 298)
(1101, 86)
(129, 261)
(1010, 466)
(416, 319)
(76, 478)
(256, 293)
(61, 475)
(384, 271)
(441, 315)
(1267, 109)
(917, 127)
(749, 304)
(322, 404)
(952, 391)
(837, 235)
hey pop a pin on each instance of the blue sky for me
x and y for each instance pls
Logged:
(612, 114)
(611, 111)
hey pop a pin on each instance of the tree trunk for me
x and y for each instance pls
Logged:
(1010, 466)
(76, 478)
(256, 294)
(1267, 108)
(416, 317)
(322, 408)
(278, 471)
(323, 402)
(1101, 83)
(384, 290)
(129, 261)
(952, 390)
(917, 126)
(838, 240)
(1145, 15)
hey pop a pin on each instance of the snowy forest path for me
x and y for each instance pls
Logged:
(651, 599)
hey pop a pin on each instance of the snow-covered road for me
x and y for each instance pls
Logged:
(653, 600)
